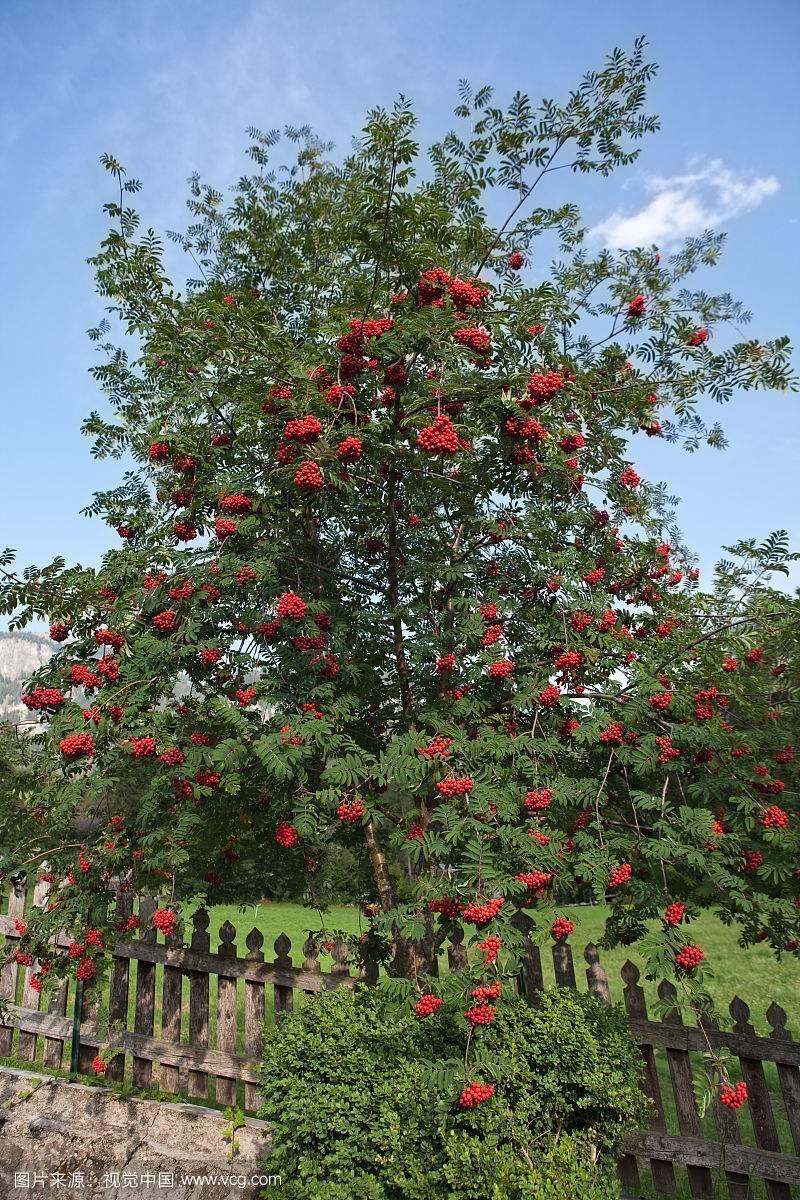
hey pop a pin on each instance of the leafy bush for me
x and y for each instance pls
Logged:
(363, 1100)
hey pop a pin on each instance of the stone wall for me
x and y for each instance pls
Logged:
(68, 1139)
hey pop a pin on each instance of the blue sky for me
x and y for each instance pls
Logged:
(170, 88)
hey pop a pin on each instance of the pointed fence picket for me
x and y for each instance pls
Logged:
(191, 1019)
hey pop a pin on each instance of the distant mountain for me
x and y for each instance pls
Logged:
(20, 655)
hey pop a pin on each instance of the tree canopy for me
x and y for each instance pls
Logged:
(387, 575)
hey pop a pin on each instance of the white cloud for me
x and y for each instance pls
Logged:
(684, 205)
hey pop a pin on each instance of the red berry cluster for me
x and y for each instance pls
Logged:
(538, 799)
(224, 528)
(98, 1065)
(733, 1097)
(309, 477)
(455, 787)
(481, 914)
(515, 259)
(689, 957)
(143, 747)
(426, 1006)
(59, 631)
(291, 606)
(236, 503)
(674, 913)
(167, 621)
(286, 835)
(77, 745)
(562, 928)
(629, 478)
(661, 701)
(43, 698)
(619, 875)
(480, 1014)
(350, 811)
(475, 338)
(350, 450)
(303, 429)
(475, 1094)
(438, 747)
(774, 817)
(542, 387)
(636, 306)
(165, 920)
(501, 670)
(446, 906)
(490, 948)
(440, 437)
(550, 697)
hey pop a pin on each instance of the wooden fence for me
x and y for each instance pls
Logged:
(212, 1006)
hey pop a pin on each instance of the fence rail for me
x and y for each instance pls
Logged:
(211, 1008)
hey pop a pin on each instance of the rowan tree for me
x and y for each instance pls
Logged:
(387, 575)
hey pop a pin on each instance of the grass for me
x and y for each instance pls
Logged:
(752, 974)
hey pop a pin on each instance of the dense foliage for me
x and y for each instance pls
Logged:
(387, 575)
(355, 1105)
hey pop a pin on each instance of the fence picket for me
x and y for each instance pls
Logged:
(596, 978)
(680, 1070)
(759, 1101)
(31, 997)
(226, 1013)
(145, 1002)
(9, 976)
(788, 1076)
(727, 1124)
(119, 988)
(563, 965)
(253, 1014)
(633, 995)
(169, 1079)
(284, 996)
(198, 1004)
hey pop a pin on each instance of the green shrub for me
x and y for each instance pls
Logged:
(357, 1108)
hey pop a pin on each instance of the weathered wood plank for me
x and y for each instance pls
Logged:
(563, 966)
(744, 1160)
(31, 997)
(759, 1099)
(254, 996)
(198, 1004)
(145, 1002)
(596, 977)
(283, 996)
(789, 1077)
(119, 988)
(531, 978)
(171, 1005)
(226, 1013)
(9, 976)
(636, 1008)
(198, 1058)
(727, 1125)
(680, 1071)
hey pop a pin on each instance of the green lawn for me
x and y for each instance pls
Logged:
(752, 974)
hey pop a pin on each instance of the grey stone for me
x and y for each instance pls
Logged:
(54, 1127)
